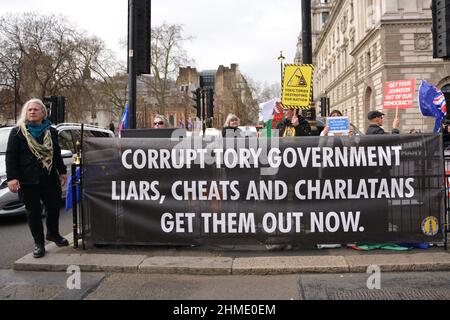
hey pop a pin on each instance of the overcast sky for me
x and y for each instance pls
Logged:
(248, 32)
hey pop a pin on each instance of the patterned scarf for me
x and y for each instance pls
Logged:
(43, 152)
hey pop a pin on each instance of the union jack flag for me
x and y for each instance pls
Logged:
(440, 102)
(432, 103)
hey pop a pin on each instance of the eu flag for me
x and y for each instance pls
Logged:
(432, 103)
(69, 195)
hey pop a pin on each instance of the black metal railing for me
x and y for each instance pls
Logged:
(447, 191)
(77, 195)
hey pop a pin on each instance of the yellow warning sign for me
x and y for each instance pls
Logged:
(297, 86)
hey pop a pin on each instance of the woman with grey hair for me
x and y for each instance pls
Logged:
(231, 126)
(36, 171)
(160, 122)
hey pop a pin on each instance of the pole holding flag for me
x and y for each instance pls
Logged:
(432, 103)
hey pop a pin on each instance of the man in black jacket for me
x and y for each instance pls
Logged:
(293, 125)
(377, 213)
(376, 123)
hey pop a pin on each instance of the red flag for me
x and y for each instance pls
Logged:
(278, 115)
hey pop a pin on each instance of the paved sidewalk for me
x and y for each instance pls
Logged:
(232, 260)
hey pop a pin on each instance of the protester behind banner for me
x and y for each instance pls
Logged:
(376, 128)
(331, 133)
(231, 126)
(293, 125)
(160, 122)
(376, 119)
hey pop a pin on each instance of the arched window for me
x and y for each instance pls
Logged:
(368, 104)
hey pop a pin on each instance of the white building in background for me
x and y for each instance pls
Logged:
(359, 45)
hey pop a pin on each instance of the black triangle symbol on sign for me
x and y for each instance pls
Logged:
(297, 80)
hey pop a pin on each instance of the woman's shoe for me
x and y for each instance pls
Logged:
(58, 240)
(39, 251)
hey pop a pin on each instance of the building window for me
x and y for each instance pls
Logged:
(325, 16)
(369, 61)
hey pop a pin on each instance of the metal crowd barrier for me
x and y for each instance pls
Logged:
(77, 203)
(447, 190)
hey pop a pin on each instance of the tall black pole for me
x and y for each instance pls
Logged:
(307, 37)
(204, 111)
(131, 65)
(306, 32)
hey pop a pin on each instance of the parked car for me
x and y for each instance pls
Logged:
(69, 134)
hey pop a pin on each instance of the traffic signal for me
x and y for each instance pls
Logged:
(197, 97)
(324, 106)
(309, 114)
(56, 107)
(441, 28)
(210, 104)
(142, 35)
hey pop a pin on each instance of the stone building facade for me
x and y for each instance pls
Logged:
(232, 93)
(365, 43)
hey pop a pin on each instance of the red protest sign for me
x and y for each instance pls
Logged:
(399, 94)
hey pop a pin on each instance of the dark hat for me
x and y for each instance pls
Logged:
(374, 114)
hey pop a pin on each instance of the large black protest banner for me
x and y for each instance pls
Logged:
(367, 189)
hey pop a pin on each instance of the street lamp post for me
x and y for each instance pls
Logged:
(281, 58)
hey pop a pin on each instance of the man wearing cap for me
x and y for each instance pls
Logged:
(376, 123)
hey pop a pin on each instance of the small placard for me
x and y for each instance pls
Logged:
(338, 124)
